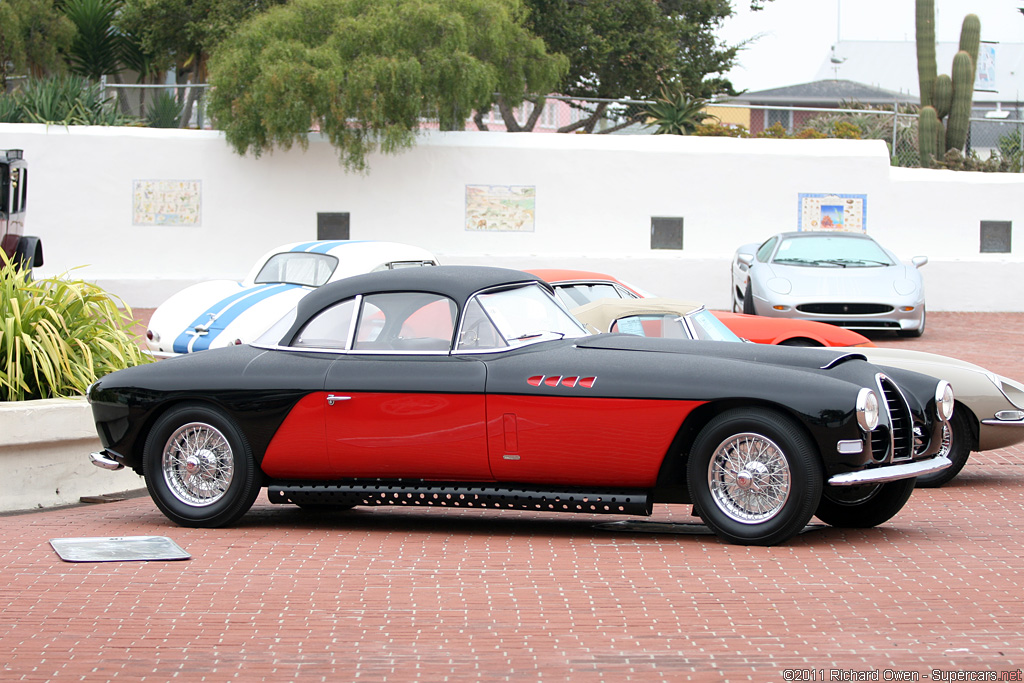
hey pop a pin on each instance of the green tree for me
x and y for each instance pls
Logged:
(630, 49)
(97, 48)
(33, 36)
(182, 34)
(365, 72)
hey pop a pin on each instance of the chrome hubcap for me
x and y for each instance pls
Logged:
(749, 478)
(198, 464)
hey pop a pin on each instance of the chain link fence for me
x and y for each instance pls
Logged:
(995, 137)
(161, 106)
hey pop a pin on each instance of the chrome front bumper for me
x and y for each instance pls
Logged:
(103, 459)
(879, 475)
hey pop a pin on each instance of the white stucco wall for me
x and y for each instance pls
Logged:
(595, 196)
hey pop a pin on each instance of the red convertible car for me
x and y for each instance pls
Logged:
(579, 287)
(474, 387)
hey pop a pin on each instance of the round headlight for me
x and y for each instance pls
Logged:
(944, 400)
(867, 409)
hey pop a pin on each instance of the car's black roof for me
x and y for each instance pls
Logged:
(455, 282)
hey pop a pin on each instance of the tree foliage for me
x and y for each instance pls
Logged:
(33, 35)
(97, 47)
(364, 72)
(182, 33)
(630, 49)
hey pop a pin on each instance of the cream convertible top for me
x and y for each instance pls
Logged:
(601, 314)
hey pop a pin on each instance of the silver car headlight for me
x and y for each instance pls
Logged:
(944, 400)
(867, 409)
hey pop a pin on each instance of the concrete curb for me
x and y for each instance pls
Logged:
(44, 455)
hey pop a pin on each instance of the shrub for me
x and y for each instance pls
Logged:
(58, 335)
(68, 101)
(164, 111)
(722, 130)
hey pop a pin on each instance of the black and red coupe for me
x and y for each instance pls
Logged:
(474, 387)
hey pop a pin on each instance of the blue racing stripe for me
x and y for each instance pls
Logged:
(323, 246)
(225, 311)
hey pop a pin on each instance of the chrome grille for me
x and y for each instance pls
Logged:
(900, 419)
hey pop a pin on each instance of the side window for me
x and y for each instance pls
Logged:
(478, 332)
(329, 329)
(765, 250)
(405, 321)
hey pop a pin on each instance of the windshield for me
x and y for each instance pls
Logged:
(708, 327)
(834, 250)
(512, 317)
(297, 268)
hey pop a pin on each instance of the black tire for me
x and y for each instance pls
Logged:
(799, 341)
(956, 446)
(199, 468)
(748, 299)
(759, 498)
(864, 506)
(919, 331)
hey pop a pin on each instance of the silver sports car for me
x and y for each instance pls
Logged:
(843, 278)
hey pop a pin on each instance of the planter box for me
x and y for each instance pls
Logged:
(44, 455)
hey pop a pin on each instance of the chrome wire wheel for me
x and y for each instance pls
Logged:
(749, 478)
(197, 464)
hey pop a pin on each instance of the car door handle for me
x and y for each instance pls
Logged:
(331, 398)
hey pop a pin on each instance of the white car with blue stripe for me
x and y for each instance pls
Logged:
(225, 312)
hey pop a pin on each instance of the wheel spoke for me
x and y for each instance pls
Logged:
(198, 464)
(749, 478)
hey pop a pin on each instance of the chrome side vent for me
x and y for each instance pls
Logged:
(900, 419)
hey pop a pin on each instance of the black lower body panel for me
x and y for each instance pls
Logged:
(464, 495)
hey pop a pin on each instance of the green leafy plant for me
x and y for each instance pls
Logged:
(10, 110)
(69, 101)
(58, 335)
(676, 113)
(164, 111)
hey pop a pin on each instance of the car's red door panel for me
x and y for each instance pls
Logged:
(588, 441)
(397, 417)
(299, 447)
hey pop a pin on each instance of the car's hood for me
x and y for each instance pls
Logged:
(217, 313)
(844, 284)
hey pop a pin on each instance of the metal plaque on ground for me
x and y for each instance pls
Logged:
(118, 549)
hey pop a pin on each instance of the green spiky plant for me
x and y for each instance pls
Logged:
(58, 335)
(164, 111)
(676, 113)
(950, 97)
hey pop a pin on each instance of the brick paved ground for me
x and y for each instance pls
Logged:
(398, 594)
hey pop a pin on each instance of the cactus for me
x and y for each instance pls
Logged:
(970, 39)
(926, 68)
(942, 95)
(960, 110)
(927, 135)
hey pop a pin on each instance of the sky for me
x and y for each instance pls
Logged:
(793, 37)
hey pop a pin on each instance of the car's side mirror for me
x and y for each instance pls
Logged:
(745, 259)
(919, 261)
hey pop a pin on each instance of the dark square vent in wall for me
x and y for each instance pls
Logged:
(666, 232)
(995, 237)
(332, 226)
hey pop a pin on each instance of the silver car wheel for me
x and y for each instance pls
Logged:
(197, 464)
(749, 478)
